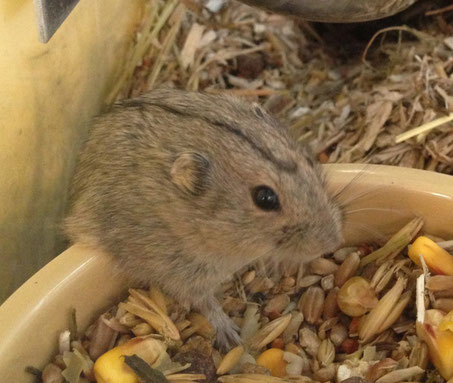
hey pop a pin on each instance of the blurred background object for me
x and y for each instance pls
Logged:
(334, 11)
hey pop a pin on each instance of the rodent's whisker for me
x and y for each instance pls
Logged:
(354, 198)
(350, 183)
(381, 209)
(368, 230)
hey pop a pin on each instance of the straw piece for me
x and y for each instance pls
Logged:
(346, 112)
(423, 128)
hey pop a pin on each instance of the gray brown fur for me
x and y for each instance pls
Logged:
(163, 184)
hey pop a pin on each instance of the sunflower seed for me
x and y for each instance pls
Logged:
(328, 282)
(444, 294)
(309, 340)
(326, 352)
(287, 283)
(248, 277)
(347, 269)
(234, 305)
(295, 364)
(381, 368)
(291, 332)
(277, 304)
(331, 308)
(444, 304)
(338, 334)
(326, 326)
(309, 280)
(323, 266)
(260, 285)
(142, 329)
(292, 347)
(130, 320)
(326, 374)
(341, 254)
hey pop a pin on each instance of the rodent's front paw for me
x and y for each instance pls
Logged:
(227, 332)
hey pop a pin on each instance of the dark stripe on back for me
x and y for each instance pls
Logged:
(288, 166)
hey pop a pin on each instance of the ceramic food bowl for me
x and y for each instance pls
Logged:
(32, 318)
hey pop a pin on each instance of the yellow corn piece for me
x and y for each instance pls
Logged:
(440, 346)
(437, 259)
(273, 360)
(447, 322)
(111, 368)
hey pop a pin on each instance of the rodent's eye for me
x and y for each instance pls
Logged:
(265, 198)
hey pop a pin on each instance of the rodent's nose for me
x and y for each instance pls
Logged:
(338, 237)
(333, 244)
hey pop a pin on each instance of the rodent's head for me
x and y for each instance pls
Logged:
(251, 189)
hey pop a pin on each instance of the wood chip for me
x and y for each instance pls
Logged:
(191, 45)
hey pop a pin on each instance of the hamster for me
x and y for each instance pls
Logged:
(183, 189)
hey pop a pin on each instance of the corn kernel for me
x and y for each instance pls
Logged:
(447, 322)
(273, 360)
(111, 368)
(437, 259)
(356, 297)
(439, 342)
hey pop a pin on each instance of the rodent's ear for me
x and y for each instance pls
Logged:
(190, 172)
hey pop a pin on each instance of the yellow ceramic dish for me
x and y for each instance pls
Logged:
(31, 319)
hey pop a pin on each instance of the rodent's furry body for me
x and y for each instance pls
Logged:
(163, 184)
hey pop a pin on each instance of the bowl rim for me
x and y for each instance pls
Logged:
(66, 264)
